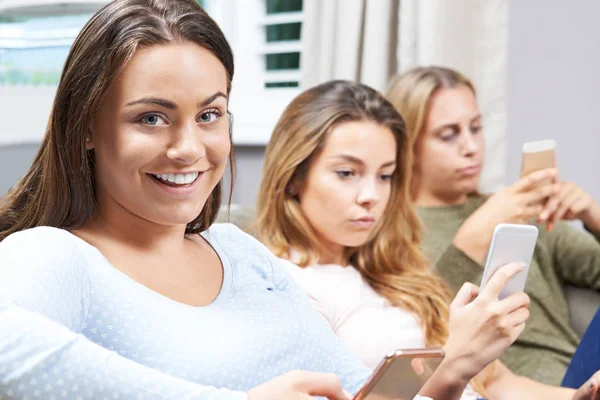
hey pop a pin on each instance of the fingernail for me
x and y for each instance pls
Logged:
(592, 383)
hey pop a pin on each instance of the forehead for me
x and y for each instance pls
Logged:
(174, 70)
(449, 105)
(363, 139)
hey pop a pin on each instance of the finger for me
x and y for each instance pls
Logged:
(564, 206)
(560, 198)
(551, 205)
(538, 194)
(497, 282)
(467, 293)
(532, 211)
(320, 384)
(517, 317)
(581, 203)
(535, 178)
(513, 303)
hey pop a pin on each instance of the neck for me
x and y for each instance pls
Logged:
(332, 254)
(428, 199)
(114, 223)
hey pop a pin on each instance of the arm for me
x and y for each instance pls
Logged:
(504, 385)
(457, 268)
(576, 256)
(44, 295)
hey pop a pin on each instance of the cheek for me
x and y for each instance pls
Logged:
(218, 148)
(323, 203)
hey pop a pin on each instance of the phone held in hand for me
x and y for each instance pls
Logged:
(401, 374)
(538, 155)
(511, 243)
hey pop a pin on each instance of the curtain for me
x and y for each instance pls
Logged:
(371, 40)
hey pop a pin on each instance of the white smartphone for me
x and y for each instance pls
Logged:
(401, 374)
(511, 243)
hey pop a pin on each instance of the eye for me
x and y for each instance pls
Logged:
(344, 173)
(475, 129)
(386, 177)
(153, 119)
(209, 116)
(449, 136)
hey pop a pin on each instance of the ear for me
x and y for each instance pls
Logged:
(89, 140)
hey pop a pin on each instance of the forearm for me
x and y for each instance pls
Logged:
(505, 385)
(473, 244)
(446, 383)
(65, 361)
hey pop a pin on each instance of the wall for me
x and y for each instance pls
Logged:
(553, 64)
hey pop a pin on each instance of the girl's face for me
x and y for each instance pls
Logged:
(450, 150)
(161, 136)
(348, 185)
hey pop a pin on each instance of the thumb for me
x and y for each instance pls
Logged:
(325, 385)
(467, 293)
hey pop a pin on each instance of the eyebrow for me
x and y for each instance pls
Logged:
(356, 160)
(455, 125)
(171, 105)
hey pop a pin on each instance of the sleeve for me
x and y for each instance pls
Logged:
(576, 255)
(457, 268)
(352, 372)
(44, 294)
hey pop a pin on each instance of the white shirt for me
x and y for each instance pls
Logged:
(73, 326)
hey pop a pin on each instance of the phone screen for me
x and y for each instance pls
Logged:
(400, 378)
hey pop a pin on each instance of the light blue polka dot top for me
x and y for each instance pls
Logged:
(72, 326)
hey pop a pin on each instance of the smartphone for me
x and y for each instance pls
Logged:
(538, 155)
(401, 374)
(511, 243)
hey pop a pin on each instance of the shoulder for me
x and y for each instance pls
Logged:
(329, 283)
(44, 244)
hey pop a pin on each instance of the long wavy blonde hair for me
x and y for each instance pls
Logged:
(391, 261)
(411, 94)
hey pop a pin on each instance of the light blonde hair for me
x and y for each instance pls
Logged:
(411, 94)
(391, 261)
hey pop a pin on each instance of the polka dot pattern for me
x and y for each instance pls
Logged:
(79, 328)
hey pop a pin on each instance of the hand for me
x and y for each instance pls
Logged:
(483, 327)
(571, 202)
(515, 204)
(300, 385)
(590, 390)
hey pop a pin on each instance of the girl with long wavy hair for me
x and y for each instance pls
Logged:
(446, 129)
(114, 281)
(335, 199)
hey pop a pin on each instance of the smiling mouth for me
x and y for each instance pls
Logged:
(177, 180)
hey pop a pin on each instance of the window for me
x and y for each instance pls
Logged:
(265, 36)
(35, 38)
(34, 49)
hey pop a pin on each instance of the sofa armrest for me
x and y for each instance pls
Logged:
(583, 304)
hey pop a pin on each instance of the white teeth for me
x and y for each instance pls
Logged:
(178, 179)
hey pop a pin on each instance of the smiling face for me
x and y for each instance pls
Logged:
(450, 151)
(348, 186)
(161, 135)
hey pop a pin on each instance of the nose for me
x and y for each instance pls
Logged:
(186, 146)
(368, 195)
(470, 145)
